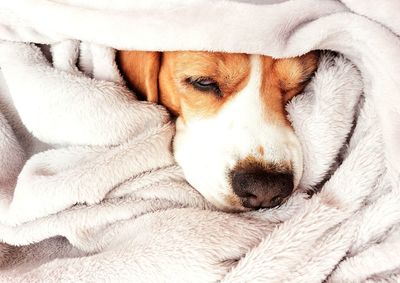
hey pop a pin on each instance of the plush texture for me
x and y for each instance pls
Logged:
(89, 190)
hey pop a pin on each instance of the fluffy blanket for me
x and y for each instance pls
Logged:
(89, 190)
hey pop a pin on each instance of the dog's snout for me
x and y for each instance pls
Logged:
(260, 188)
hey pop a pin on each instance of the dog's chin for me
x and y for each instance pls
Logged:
(226, 202)
(227, 207)
(233, 209)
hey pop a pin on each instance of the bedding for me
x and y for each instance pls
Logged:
(89, 190)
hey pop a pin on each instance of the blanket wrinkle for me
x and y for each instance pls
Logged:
(321, 116)
(385, 14)
(89, 189)
(64, 56)
(62, 128)
(73, 171)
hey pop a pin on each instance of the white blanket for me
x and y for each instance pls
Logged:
(89, 190)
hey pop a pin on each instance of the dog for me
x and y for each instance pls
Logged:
(233, 139)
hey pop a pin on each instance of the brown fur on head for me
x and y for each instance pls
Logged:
(160, 77)
(230, 107)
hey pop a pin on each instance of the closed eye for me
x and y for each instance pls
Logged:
(205, 84)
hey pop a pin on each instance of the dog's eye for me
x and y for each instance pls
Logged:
(205, 84)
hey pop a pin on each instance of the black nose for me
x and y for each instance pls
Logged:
(262, 189)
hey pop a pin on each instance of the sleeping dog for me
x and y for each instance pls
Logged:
(233, 139)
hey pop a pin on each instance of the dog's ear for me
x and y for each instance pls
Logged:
(140, 69)
(294, 73)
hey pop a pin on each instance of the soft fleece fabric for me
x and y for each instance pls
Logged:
(89, 190)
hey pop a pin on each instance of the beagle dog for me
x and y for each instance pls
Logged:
(233, 139)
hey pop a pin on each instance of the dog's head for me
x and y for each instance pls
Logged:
(233, 139)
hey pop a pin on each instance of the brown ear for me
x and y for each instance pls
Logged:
(296, 72)
(140, 69)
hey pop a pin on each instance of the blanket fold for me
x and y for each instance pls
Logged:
(89, 190)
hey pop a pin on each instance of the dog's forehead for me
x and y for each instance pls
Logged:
(200, 63)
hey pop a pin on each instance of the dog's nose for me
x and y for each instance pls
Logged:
(261, 189)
